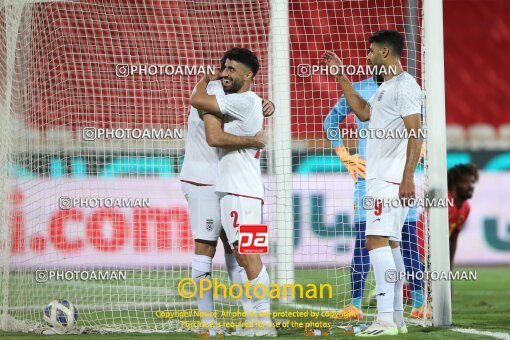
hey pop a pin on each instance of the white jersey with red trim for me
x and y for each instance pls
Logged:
(239, 170)
(395, 99)
(200, 160)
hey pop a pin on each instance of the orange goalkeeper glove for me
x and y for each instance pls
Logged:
(354, 163)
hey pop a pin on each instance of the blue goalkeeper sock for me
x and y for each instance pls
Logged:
(356, 302)
(412, 261)
(360, 265)
(417, 297)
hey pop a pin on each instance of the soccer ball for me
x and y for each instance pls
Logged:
(61, 314)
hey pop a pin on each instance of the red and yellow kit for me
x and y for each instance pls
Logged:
(457, 216)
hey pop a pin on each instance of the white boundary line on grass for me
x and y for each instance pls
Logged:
(496, 335)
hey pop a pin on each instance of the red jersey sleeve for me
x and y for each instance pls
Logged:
(457, 217)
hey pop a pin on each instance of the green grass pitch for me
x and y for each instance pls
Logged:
(481, 305)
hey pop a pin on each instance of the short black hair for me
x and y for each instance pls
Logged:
(389, 38)
(243, 56)
(458, 172)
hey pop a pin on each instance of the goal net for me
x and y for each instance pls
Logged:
(94, 107)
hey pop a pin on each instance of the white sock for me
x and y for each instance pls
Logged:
(262, 305)
(398, 302)
(236, 274)
(382, 261)
(201, 268)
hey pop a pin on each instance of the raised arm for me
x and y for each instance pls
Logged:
(333, 119)
(358, 105)
(213, 111)
(354, 164)
(203, 101)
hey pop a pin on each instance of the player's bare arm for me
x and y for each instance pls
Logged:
(201, 100)
(216, 137)
(358, 105)
(412, 124)
(205, 102)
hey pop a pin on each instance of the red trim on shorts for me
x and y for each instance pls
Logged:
(391, 182)
(246, 196)
(197, 184)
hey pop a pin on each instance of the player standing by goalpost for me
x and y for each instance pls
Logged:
(199, 178)
(355, 164)
(240, 182)
(391, 163)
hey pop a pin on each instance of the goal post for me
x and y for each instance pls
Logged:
(436, 157)
(281, 142)
(11, 12)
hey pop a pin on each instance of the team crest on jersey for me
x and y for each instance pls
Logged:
(209, 224)
(379, 97)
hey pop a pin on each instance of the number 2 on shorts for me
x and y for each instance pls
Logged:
(235, 215)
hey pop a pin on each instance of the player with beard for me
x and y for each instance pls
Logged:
(461, 185)
(198, 179)
(355, 164)
(391, 163)
(239, 178)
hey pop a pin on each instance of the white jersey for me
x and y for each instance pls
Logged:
(395, 99)
(200, 160)
(240, 169)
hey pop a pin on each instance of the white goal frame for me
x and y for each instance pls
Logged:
(280, 146)
(436, 157)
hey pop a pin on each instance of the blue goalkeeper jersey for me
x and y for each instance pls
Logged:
(366, 89)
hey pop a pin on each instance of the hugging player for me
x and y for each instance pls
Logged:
(210, 151)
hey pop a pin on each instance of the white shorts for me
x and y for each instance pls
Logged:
(385, 219)
(203, 211)
(236, 210)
